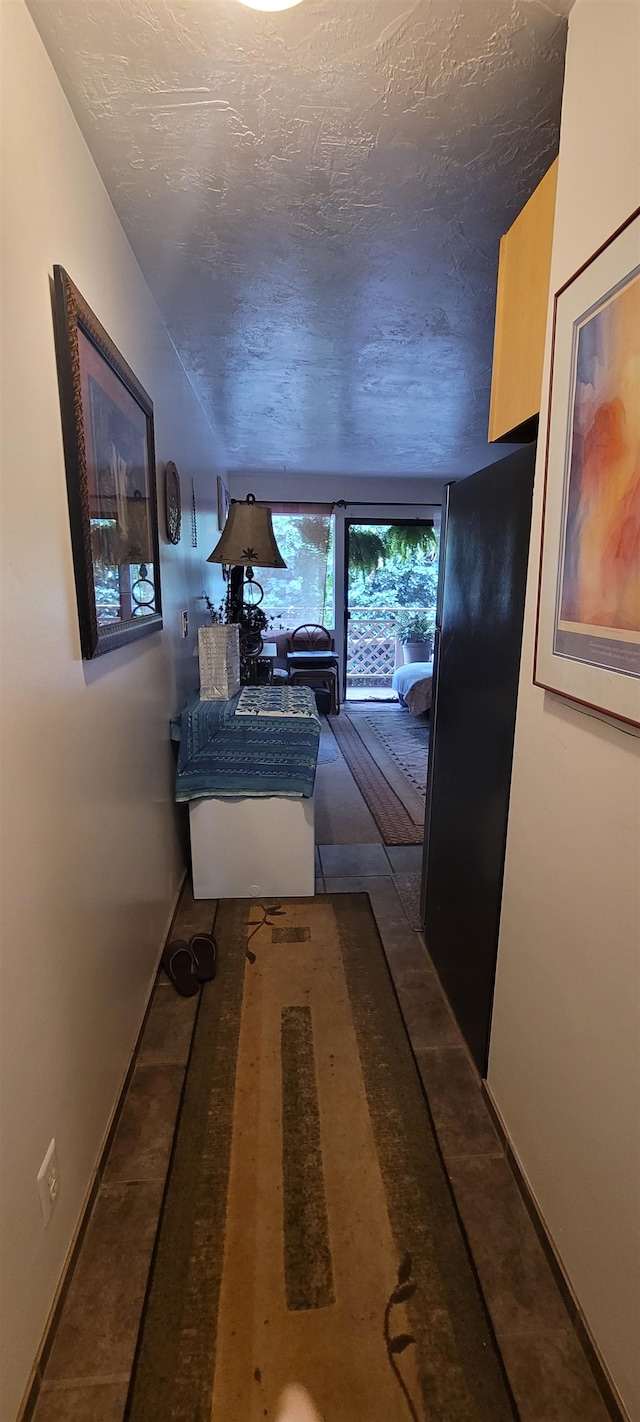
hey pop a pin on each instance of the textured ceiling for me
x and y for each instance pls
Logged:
(316, 199)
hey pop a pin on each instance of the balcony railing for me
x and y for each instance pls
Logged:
(372, 633)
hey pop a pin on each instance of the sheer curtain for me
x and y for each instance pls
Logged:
(303, 591)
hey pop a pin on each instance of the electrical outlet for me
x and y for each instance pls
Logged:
(49, 1183)
(184, 623)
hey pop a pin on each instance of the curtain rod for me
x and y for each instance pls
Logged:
(346, 504)
(389, 504)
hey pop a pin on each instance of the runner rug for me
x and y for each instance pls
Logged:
(404, 738)
(398, 815)
(308, 1235)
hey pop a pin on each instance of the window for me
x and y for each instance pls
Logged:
(303, 591)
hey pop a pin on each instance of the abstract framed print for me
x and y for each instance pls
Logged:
(588, 632)
(107, 428)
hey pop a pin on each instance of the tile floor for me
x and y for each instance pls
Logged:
(86, 1370)
(372, 693)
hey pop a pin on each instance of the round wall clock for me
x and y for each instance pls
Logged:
(172, 502)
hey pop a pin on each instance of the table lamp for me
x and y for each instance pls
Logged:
(247, 540)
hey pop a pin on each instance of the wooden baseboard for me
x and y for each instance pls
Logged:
(610, 1395)
(32, 1390)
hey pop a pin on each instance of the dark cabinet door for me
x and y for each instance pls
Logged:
(475, 695)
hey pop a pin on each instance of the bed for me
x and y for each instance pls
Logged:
(412, 683)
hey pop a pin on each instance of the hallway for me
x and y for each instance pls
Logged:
(87, 1367)
(285, 234)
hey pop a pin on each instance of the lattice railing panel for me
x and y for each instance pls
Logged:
(372, 642)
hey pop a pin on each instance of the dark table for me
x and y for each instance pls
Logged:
(317, 662)
(311, 659)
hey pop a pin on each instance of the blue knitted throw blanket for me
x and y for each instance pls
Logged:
(264, 741)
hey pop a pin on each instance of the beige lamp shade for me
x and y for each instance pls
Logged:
(248, 538)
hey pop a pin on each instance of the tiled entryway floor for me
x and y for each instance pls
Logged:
(86, 1372)
(372, 693)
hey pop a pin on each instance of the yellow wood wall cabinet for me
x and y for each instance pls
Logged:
(521, 311)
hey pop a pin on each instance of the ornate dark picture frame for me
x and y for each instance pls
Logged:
(109, 450)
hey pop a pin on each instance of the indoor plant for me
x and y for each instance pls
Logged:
(416, 634)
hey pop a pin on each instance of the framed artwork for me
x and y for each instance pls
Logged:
(588, 632)
(107, 428)
(223, 503)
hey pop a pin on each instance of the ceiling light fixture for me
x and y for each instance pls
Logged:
(270, 4)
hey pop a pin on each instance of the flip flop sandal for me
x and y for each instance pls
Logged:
(205, 954)
(177, 961)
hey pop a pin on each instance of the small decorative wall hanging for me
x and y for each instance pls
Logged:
(588, 635)
(224, 502)
(194, 521)
(173, 502)
(107, 428)
(194, 518)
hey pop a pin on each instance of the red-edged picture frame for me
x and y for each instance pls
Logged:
(588, 627)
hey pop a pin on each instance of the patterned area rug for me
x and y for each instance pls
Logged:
(387, 755)
(308, 1234)
(405, 739)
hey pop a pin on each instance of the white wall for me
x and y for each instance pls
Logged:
(328, 488)
(90, 855)
(564, 1067)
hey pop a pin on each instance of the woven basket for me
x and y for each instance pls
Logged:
(219, 658)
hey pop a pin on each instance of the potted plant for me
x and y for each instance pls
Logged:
(366, 551)
(416, 634)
